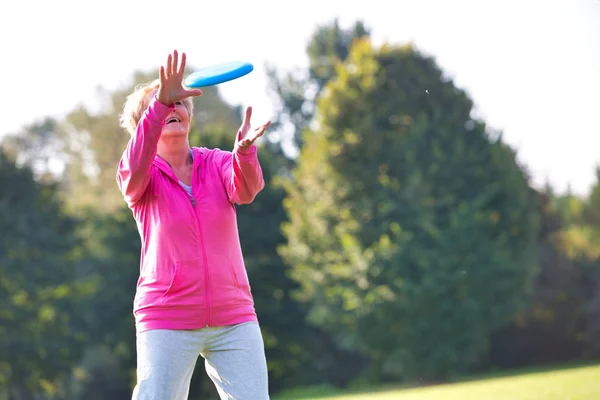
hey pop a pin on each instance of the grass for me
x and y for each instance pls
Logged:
(581, 383)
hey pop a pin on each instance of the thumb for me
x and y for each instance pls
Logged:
(194, 92)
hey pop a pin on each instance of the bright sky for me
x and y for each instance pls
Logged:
(531, 66)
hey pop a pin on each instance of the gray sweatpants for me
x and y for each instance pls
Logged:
(234, 360)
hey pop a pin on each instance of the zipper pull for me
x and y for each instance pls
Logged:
(193, 201)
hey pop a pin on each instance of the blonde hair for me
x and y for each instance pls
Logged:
(136, 104)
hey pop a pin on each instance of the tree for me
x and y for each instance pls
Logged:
(289, 341)
(412, 231)
(295, 92)
(38, 146)
(562, 321)
(38, 285)
(110, 262)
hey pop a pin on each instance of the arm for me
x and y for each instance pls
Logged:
(240, 169)
(134, 172)
(242, 174)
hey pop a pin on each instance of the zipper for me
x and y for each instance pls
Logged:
(202, 250)
(206, 274)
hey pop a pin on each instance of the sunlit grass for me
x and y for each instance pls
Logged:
(567, 384)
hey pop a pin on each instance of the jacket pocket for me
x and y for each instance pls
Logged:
(226, 284)
(187, 286)
(240, 278)
(239, 275)
(153, 283)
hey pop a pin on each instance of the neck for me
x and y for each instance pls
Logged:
(175, 152)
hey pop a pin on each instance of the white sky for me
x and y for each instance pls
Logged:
(531, 66)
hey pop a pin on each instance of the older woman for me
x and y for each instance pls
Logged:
(193, 297)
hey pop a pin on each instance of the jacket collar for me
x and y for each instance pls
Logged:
(199, 156)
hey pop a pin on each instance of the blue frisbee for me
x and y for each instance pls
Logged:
(218, 73)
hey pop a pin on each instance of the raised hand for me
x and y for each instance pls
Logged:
(247, 137)
(171, 89)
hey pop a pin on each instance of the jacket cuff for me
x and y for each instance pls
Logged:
(243, 150)
(158, 111)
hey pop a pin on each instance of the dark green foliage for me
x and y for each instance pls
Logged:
(560, 323)
(38, 286)
(412, 233)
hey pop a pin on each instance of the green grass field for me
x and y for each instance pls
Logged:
(581, 383)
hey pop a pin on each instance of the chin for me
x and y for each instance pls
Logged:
(174, 133)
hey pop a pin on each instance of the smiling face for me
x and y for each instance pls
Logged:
(137, 102)
(178, 122)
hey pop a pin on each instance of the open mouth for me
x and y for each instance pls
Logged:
(173, 119)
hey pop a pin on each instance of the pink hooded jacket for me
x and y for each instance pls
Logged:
(192, 272)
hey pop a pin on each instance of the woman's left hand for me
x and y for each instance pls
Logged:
(247, 138)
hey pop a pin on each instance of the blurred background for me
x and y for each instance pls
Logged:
(432, 207)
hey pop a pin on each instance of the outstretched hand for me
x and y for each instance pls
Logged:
(248, 137)
(171, 89)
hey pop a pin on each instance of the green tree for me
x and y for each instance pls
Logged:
(412, 231)
(562, 321)
(290, 343)
(295, 92)
(549, 330)
(110, 263)
(38, 146)
(39, 340)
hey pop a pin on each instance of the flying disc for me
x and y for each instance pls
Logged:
(218, 73)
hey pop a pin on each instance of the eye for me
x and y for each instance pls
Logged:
(178, 103)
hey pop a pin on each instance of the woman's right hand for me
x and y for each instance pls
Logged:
(171, 89)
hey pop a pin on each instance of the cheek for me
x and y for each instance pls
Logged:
(183, 110)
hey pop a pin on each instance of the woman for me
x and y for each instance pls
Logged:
(193, 296)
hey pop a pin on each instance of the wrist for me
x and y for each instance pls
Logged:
(245, 150)
(163, 101)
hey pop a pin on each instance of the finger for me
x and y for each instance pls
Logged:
(255, 136)
(194, 92)
(248, 116)
(182, 67)
(169, 65)
(175, 62)
(263, 127)
(162, 75)
(260, 130)
(258, 134)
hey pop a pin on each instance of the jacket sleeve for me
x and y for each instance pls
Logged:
(242, 173)
(134, 171)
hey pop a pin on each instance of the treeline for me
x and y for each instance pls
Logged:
(397, 238)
